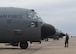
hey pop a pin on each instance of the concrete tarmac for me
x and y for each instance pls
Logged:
(50, 47)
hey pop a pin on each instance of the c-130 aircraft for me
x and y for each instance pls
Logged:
(19, 25)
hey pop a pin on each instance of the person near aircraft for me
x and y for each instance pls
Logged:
(66, 40)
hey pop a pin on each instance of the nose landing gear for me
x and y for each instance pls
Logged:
(24, 45)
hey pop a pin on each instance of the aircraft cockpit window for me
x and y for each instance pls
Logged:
(34, 24)
(32, 16)
(40, 19)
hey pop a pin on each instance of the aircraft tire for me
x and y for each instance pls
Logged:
(24, 45)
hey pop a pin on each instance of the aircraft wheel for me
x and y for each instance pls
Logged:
(23, 45)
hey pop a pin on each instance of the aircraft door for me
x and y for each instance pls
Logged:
(34, 29)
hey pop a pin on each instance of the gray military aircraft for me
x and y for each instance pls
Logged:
(57, 35)
(18, 26)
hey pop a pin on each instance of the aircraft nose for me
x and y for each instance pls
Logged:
(62, 34)
(47, 30)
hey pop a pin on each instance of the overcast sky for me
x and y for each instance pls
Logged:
(60, 13)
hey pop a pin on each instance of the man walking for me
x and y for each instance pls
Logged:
(66, 40)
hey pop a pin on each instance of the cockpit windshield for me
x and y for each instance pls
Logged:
(33, 15)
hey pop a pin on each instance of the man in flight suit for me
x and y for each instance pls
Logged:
(66, 40)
